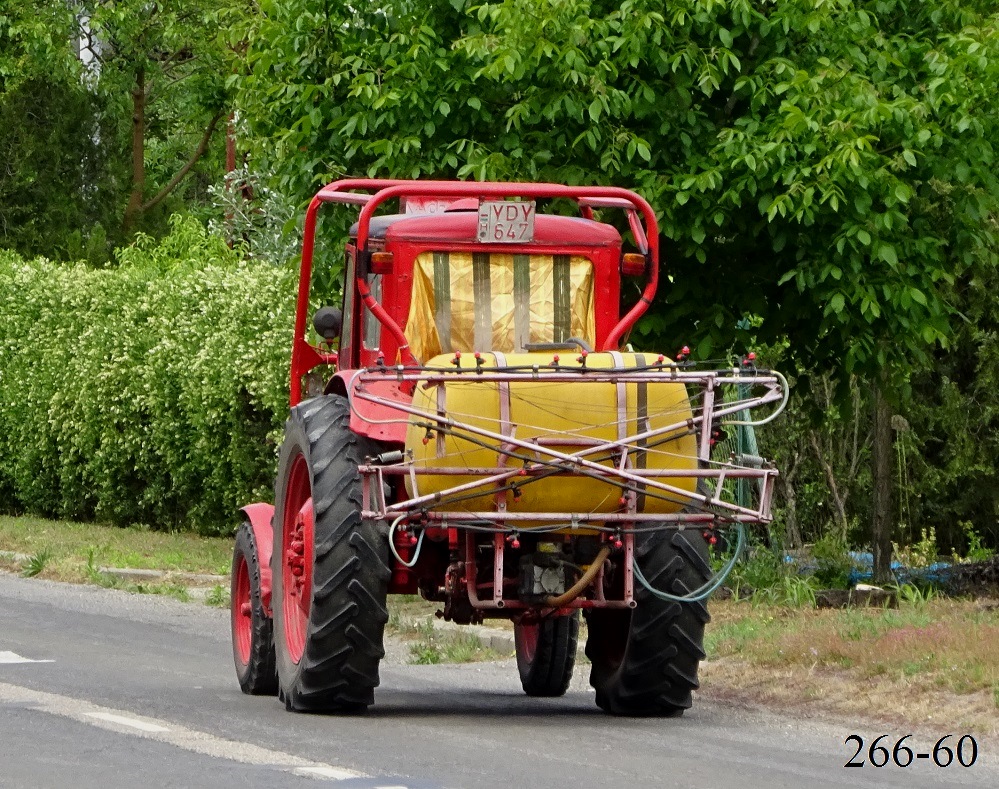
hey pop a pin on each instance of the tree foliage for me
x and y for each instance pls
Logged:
(59, 183)
(165, 66)
(823, 170)
(951, 452)
(113, 114)
(825, 164)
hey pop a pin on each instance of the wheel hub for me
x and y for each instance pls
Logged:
(242, 623)
(296, 564)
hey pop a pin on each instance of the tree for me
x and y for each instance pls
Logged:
(951, 453)
(168, 60)
(824, 166)
(58, 179)
(833, 159)
(112, 113)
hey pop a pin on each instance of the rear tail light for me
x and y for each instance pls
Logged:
(633, 264)
(381, 262)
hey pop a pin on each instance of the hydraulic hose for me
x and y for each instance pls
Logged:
(416, 551)
(705, 591)
(386, 320)
(585, 580)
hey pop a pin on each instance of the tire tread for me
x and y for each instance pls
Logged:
(656, 672)
(344, 640)
(550, 672)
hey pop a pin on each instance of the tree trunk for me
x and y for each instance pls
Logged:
(134, 207)
(792, 534)
(839, 500)
(881, 528)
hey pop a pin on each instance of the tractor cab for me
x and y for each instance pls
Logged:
(474, 270)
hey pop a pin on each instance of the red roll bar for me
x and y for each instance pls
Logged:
(356, 191)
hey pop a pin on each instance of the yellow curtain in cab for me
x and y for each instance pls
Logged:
(465, 301)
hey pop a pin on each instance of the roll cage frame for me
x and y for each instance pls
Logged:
(370, 193)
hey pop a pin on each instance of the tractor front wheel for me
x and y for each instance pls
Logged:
(645, 661)
(330, 566)
(546, 654)
(252, 629)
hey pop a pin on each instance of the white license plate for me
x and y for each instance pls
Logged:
(503, 222)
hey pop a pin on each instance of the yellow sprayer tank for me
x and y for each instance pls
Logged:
(562, 415)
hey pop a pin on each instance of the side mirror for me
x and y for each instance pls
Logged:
(327, 322)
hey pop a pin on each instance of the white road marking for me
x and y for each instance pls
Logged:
(327, 772)
(13, 657)
(166, 732)
(135, 723)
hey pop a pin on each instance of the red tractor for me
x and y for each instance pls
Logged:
(467, 427)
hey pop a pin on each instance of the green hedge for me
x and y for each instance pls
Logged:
(150, 393)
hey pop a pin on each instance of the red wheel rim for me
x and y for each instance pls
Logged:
(527, 642)
(296, 557)
(242, 612)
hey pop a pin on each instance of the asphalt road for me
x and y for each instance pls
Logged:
(140, 691)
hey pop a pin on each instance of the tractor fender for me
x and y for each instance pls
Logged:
(260, 517)
(373, 420)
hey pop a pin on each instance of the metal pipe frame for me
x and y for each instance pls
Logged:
(551, 461)
(498, 603)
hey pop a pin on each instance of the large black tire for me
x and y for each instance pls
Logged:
(341, 643)
(644, 662)
(252, 629)
(546, 654)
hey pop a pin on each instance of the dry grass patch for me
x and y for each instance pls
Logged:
(935, 663)
(405, 609)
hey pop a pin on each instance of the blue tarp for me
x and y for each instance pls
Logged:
(863, 569)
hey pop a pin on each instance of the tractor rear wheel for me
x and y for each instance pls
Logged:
(252, 629)
(546, 654)
(330, 567)
(644, 661)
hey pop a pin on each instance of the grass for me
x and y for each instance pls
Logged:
(951, 643)
(67, 551)
(36, 563)
(449, 647)
(411, 619)
(76, 552)
(931, 660)
(218, 597)
(430, 646)
(788, 590)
